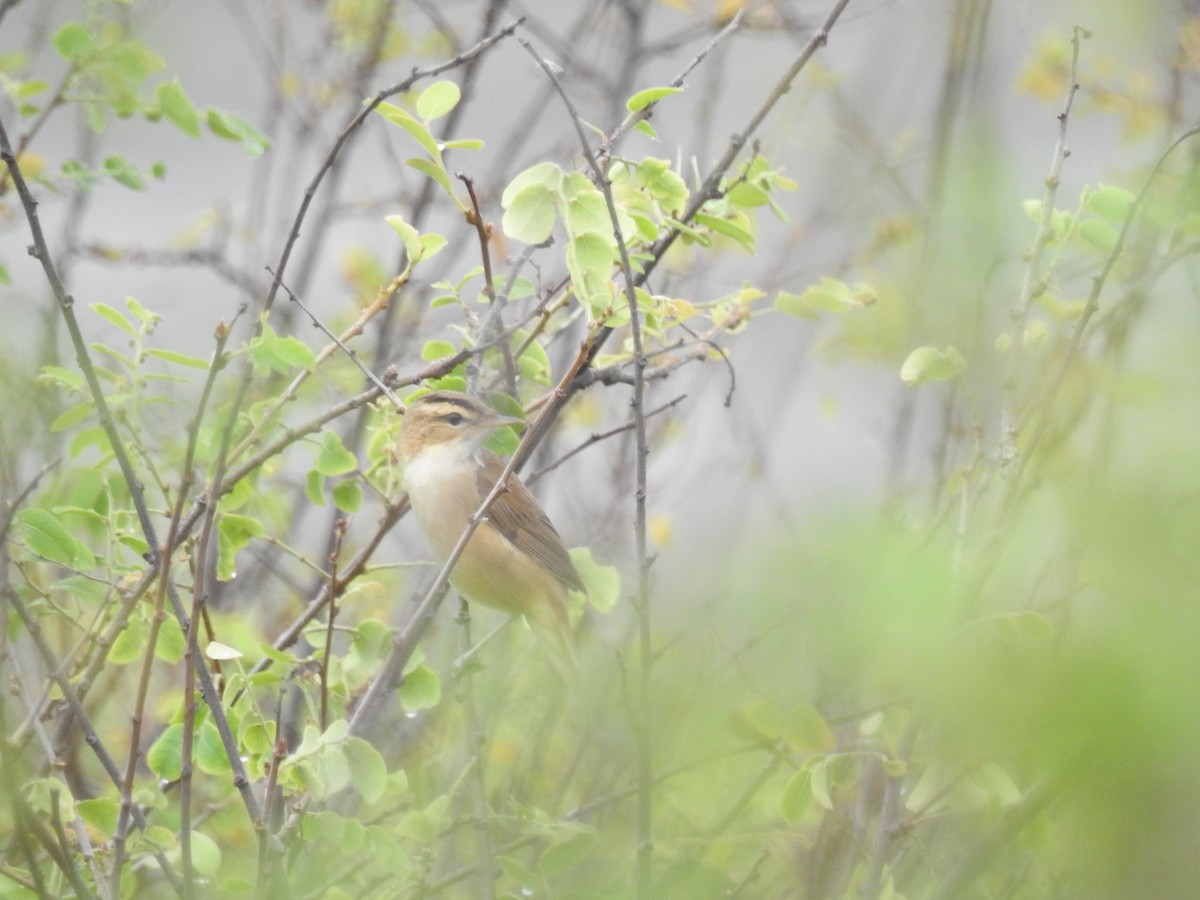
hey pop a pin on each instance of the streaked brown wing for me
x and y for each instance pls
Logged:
(517, 515)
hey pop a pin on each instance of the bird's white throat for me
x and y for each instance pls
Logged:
(438, 463)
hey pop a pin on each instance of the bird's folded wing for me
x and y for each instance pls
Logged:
(517, 515)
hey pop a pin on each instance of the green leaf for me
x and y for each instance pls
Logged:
(45, 535)
(534, 363)
(233, 533)
(529, 214)
(314, 487)
(124, 173)
(819, 784)
(72, 41)
(348, 496)
(206, 855)
(165, 756)
(333, 457)
(603, 582)
(437, 349)
(115, 316)
(179, 359)
(562, 856)
(547, 174)
(130, 643)
(931, 364)
(665, 186)
(727, 227)
(434, 170)
(432, 245)
(368, 771)
(178, 107)
(525, 880)
(210, 751)
(587, 211)
(72, 416)
(797, 796)
(829, 296)
(410, 235)
(463, 144)
(220, 125)
(172, 642)
(746, 194)
(647, 129)
(1111, 203)
(644, 98)
(590, 258)
(409, 123)
(101, 813)
(1100, 234)
(438, 99)
(271, 353)
(219, 651)
(803, 727)
(421, 689)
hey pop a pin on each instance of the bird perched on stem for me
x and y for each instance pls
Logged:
(515, 561)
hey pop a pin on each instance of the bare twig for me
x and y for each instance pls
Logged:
(353, 125)
(339, 536)
(598, 437)
(645, 840)
(66, 303)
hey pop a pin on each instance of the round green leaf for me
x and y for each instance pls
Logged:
(438, 99)
(334, 458)
(421, 689)
(165, 756)
(206, 855)
(530, 214)
(368, 771)
(603, 582)
(348, 496)
(931, 364)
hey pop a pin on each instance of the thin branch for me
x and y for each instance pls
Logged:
(371, 376)
(339, 536)
(1089, 310)
(711, 186)
(679, 81)
(645, 838)
(34, 629)
(353, 125)
(598, 437)
(66, 303)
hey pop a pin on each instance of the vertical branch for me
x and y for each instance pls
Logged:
(1034, 282)
(164, 577)
(645, 748)
(494, 323)
(339, 535)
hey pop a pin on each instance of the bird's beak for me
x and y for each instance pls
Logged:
(499, 421)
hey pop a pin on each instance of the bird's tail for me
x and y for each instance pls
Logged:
(553, 627)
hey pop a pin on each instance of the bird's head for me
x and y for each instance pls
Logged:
(450, 421)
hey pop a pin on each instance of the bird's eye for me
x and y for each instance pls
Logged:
(454, 418)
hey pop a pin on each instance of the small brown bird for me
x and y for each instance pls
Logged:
(515, 560)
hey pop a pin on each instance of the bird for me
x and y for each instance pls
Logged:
(515, 560)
